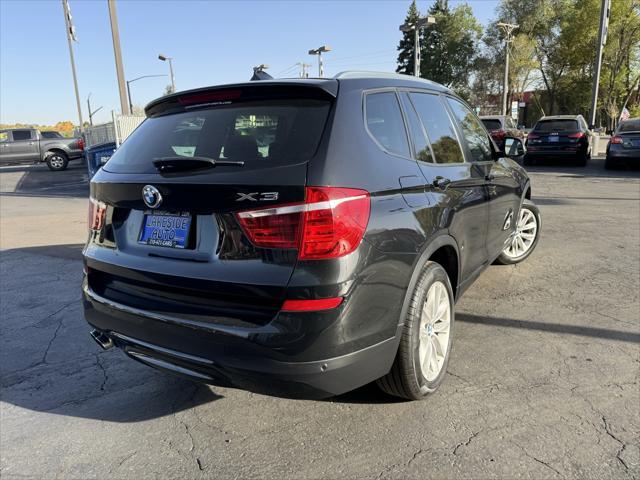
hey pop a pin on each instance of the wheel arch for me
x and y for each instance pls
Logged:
(51, 150)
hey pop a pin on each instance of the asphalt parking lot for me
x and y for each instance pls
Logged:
(543, 380)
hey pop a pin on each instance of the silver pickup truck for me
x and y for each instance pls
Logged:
(29, 145)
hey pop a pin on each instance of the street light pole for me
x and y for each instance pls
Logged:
(71, 35)
(318, 51)
(602, 40)
(134, 80)
(91, 113)
(115, 34)
(508, 29)
(164, 58)
(415, 27)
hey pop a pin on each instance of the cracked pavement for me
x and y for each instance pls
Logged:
(544, 375)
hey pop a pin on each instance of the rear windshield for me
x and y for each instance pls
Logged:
(556, 126)
(263, 134)
(629, 126)
(492, 124)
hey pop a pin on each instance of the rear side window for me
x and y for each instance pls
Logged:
(385, 123)
(440, 130)
(21, 135)
(476, 136)
(420, 141)
(547, 126)
(491, 124)
(262, 134)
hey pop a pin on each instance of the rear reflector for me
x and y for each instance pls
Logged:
(311, 305)
(616, 139)
(97, 213)
(329, 224)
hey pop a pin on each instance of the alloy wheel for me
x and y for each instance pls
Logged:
(435, 328)
(524, 236)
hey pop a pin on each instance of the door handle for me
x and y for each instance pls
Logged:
(30, 143)
(441, 182)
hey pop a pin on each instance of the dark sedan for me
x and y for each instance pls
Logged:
(624, 145)
(560, 137)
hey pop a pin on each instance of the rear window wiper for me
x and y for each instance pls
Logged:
(177, 163)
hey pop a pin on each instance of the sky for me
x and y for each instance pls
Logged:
(212, 42)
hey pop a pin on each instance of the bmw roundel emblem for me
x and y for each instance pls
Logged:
(151, 196)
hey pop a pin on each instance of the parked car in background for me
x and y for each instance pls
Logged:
(230, 241)
(501, 127)
(29, 145)
(559, 137)
(624, 145)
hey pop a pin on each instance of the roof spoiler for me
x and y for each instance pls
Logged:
(241, 92)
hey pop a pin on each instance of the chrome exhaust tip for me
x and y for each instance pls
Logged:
(102, 339)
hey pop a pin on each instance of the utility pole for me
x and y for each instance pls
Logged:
(319, 51)
(115, 33)
(91, 113)
(508, 29)
(71, 36)
(407, 27)
(164, 58)
(602, 40)
(303, 69)
(129, 82)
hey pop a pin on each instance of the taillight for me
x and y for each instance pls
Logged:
(616, 139)
(532, 136)
(576, 135)
(97, 214)
(329, 224)
(499, 134)
(80, 144)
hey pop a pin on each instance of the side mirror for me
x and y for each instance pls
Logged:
(513, 147)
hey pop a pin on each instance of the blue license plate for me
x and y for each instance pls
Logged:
(165, 229)
(635, 143)
(554, 138)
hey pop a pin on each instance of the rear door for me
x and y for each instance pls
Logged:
(172, 232)
(24, 146)
(502, 188)
(456, 186)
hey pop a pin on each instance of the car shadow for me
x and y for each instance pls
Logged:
(48, 361)
(38, 181)
(593, 169)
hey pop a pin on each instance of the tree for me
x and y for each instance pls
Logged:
(449, 48)
(407, 43)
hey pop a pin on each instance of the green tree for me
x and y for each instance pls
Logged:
(406, 46)
(450, 46)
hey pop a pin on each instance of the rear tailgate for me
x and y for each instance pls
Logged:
(188, 255)
(555, 135)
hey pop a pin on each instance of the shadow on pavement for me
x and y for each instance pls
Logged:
(595, 168)
(39, 181)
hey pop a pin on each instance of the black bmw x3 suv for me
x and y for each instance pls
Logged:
(301, 237)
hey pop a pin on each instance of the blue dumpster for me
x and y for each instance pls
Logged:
(98, 155)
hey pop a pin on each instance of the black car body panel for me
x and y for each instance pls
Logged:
(624, 145)
(213, 310)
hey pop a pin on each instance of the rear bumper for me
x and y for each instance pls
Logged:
(246, 358)
(619, 154)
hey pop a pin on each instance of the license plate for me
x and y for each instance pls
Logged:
(635, 143)
(554, 138)
(165, 229)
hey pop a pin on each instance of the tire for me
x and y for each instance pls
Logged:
(512, 254)
(582, 160)
(407, 378)
(609, 164)
(57, 161)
